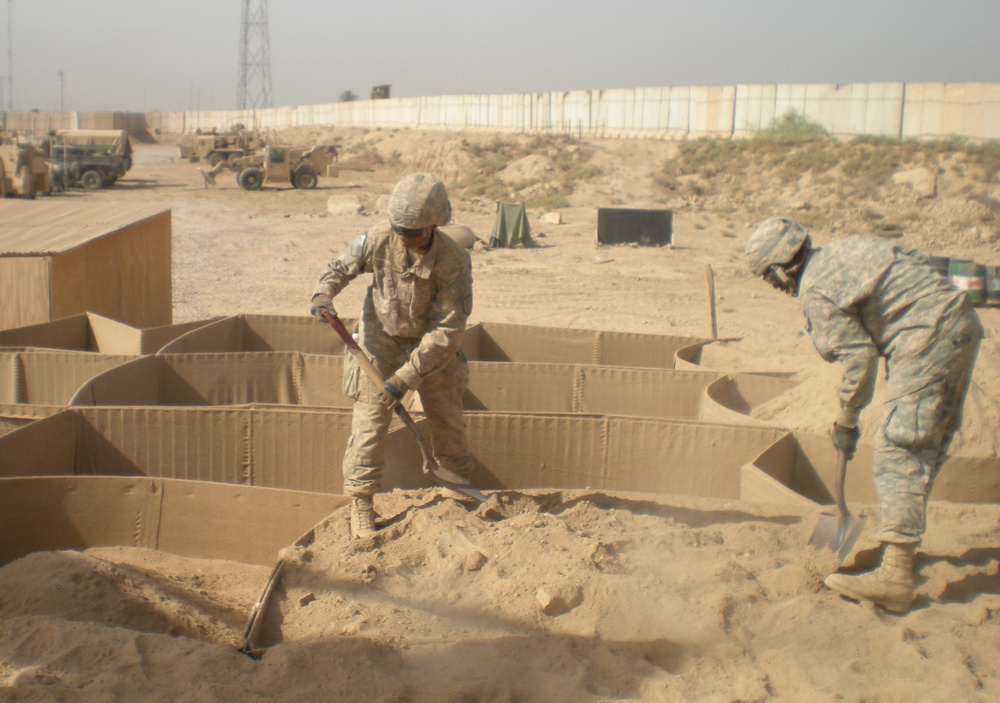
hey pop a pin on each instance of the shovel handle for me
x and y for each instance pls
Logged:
(365, 363)
(438, 474)
(839, 486)
(356, 351)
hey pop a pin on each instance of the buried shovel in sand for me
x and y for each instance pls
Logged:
(432, 470)
(838, 532)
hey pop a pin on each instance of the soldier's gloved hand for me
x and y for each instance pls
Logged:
(845, 439)
(393, 391)
(319, 304)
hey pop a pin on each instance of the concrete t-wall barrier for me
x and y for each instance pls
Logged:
(897, 110)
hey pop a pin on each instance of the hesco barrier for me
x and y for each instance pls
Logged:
(156, 440)
(260, 449)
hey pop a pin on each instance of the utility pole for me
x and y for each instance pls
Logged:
(254, 88)
(10, 59)
(62, 92)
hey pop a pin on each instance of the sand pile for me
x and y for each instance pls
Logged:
(533, 596)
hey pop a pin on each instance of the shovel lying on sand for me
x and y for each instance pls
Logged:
(251, 634)
(249, 640)
(838, 532)
(436, 473)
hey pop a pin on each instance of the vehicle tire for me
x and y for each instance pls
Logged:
(250, 179)
(305, 179)
(216, 158)
(92, 179)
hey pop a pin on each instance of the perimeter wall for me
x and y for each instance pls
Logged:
(898, 110)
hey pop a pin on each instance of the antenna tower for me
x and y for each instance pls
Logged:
(254, 90)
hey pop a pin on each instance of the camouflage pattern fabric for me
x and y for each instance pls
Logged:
(411, 325)
(864, 299)
(419, 200)
(775, 241)
(922, 412)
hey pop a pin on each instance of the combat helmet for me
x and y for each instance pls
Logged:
(419, 200)
(776, 241)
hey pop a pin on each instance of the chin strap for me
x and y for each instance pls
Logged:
(786, 276)
(782, 278)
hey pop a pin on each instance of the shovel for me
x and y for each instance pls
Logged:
(251, 634)
(838, 532)
(438, 474)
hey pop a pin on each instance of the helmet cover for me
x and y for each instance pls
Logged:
(419, 200)
(776, 240)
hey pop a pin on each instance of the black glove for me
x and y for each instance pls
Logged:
(845, 439)
(393, 391)
(319, 304)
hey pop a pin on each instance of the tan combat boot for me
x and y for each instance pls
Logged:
(362, 517)
(889, 586)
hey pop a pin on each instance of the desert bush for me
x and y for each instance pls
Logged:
(985, 155)
(554, 201)
(792, 128)
(483, 186)
(874, 159)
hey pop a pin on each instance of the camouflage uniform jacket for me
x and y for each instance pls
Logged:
(864, 298)
(429, 301)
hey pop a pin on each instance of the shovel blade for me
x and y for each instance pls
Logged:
(838, 533)
(449, 479)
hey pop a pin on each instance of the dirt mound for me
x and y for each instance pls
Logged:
(532, 596)
(443, 160)
(529, 169)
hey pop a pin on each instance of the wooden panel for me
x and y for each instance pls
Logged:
(24, 291)
(145, 295)
(69, 290)
(125, 275)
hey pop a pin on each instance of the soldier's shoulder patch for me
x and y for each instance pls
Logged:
(467, 305)
(357, 248)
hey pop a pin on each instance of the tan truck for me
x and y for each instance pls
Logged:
(90, 158)
(23, 171)
(298, 166)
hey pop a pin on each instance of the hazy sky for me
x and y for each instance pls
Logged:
(185, 54)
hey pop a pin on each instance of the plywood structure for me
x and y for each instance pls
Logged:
(59, 259)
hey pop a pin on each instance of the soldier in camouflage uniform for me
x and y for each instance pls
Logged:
(864, 298)
(413, 320)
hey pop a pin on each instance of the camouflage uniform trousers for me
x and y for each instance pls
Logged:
(922, 412)
(440, 394)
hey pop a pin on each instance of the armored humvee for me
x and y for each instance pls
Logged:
(215, 147)
(299, 166)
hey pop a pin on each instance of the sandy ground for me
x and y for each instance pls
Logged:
(534, 595)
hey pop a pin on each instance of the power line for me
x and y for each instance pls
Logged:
(254, 89)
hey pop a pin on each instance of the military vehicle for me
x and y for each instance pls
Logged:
(215, 147)
(23, 171)
(91, 158)
(299, 166)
